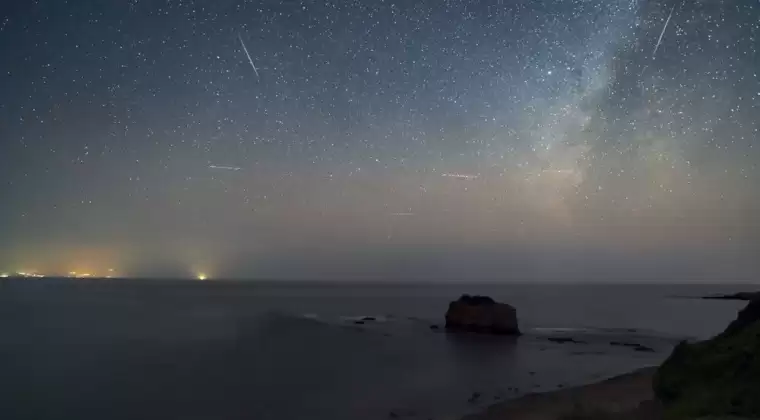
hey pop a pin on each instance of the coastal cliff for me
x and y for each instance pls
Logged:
(717, 377)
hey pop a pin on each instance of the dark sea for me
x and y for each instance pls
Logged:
(139, 349)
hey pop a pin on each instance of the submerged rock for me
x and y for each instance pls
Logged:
(643, 349)
(634, 346)
(717, 377)
(399, 413)
(565, 340)
(474, 398)
(483, 315)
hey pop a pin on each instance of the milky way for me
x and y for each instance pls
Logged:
(518, 139)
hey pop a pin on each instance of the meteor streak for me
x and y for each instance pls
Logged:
(225, 168)
(460, 176)
(250, 60)
(659, 40)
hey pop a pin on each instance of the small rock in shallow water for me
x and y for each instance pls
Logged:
(399, 413)
(635, 346)
(565, 340)
(588, 353)
(623, 344)
(643, 348)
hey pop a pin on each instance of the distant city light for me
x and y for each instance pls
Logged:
(29, 274)
(202, 276)
(4, 275)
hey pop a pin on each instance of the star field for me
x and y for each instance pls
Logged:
(378, 138)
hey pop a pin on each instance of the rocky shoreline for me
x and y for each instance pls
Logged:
(628, 396)
(716, 378)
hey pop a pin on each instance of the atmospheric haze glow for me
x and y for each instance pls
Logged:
(522, 140)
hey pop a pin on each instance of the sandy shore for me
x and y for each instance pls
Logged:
(628, 397)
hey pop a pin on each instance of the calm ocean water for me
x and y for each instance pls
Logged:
(245, 350)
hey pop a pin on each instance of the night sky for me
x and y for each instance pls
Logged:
(502, 140)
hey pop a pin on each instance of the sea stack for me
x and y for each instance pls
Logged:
(481, 314)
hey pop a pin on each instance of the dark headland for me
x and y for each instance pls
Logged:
(735, 296)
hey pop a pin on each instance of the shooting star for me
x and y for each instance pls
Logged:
(559, 171)
(250, 60)
(224, 168)
(460, 176)
(402, 214)
(659, 40)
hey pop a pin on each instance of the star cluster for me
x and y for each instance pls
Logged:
(360, 138)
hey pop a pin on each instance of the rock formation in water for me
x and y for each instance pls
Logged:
(483, 315)
(715, 378)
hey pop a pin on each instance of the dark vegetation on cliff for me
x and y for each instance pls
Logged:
(717, 377)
